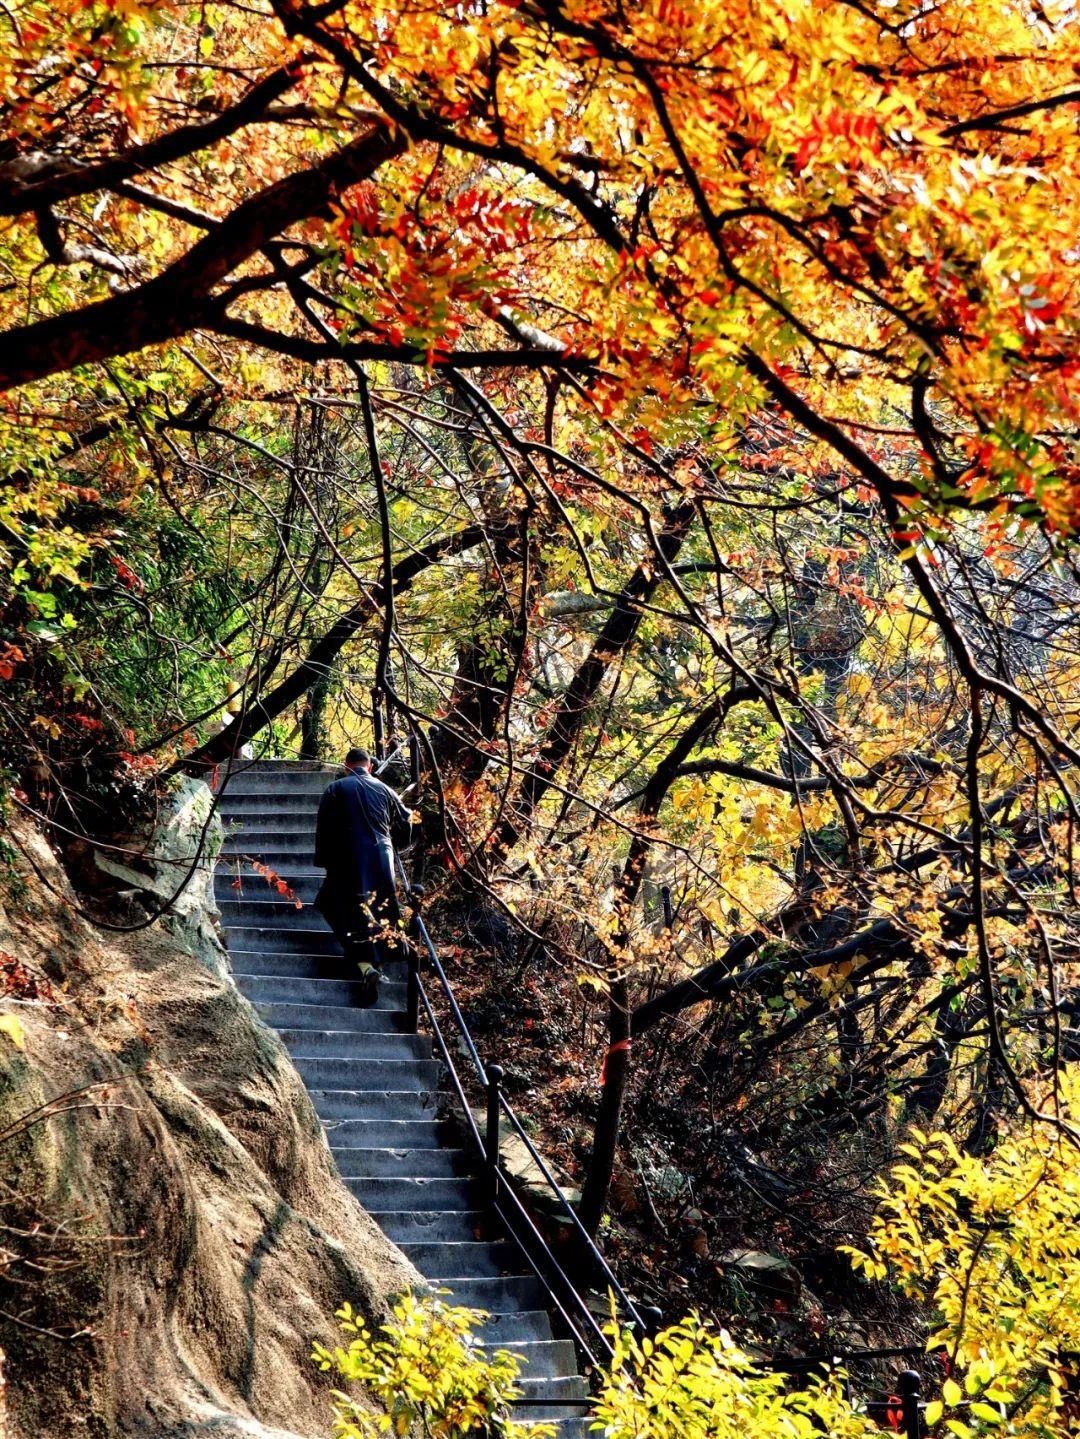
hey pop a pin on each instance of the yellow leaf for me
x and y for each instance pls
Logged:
(11, 1025)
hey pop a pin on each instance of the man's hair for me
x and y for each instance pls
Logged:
(358, 756)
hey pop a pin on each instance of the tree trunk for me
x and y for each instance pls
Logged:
(616, 1068)
(616, 1072)
(311, 720)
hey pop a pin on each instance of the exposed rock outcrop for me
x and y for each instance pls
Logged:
(172, 1233)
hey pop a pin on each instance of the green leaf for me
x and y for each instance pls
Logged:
(985, 1411)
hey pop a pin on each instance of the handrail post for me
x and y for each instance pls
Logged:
(650, 1321)
(495, 1077)
(669, 913)
(412, 962)
(412, 991)
(910, 1385)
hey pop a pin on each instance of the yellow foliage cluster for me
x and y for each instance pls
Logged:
(694, 1382)
(993, 1244)
(428, 1369)
(691, 1382)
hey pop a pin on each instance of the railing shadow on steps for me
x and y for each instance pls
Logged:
(564, 1295)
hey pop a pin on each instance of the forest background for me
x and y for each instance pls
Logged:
(663, 416)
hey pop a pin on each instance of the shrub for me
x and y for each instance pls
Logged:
(429, 1371)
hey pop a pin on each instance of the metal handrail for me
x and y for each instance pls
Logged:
(571, 1213)
(440, 1040)
(599, 1337)
(597, 1331)
(501, 1180)
(548, 1270)
(459, 1018)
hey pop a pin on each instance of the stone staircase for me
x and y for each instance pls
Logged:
(373, 1084)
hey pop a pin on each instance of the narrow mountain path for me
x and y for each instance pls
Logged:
(374, 1085)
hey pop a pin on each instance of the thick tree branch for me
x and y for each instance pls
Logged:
(180, 298)
(716, 981)
(54, 180)
(304, 347)
(996, 118)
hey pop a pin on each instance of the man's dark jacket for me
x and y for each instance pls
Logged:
(358, 816)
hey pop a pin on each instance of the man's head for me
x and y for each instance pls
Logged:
(358, 759)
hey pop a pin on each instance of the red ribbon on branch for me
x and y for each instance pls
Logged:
(623, 1045)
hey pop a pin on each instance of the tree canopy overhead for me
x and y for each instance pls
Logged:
(668, 409)
(844, 210)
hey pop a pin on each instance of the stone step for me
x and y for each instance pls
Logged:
(540, 1359)
(273, 914)
(262, 939)
(384, 1163)
(402, 1104)
(267, 987)
(570, 1387)
(308, 966)
(304, 882)
(240, 868)
(381, 1194)
(354, 1044)
(432, 1226)
(290, 965)
(425, 1132)
(529, 1326)
(256, 812)
(274, 783)
(276, 851)
(326, 1071)
(570, 1423)
(465, 1260)
(277, 914)
(229, 870)
(294, 820)
(509, 1297)
(260, 763)
(285, 1016)
(261, 790)
(286, 828)
(269, 802)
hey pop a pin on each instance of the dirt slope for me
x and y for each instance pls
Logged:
(174, 1237)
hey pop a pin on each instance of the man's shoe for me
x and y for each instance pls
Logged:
(368, 991)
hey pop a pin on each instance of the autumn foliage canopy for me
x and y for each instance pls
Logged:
(663, 413)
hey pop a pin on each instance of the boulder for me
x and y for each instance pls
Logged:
(769, 1276)
(175, 1232)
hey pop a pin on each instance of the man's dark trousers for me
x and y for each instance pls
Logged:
(353, 844)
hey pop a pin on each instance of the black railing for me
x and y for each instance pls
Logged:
(564, 1295)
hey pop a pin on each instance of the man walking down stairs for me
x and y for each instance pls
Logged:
(374, 1085)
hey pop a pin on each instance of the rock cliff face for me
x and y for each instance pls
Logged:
(172, 1233)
